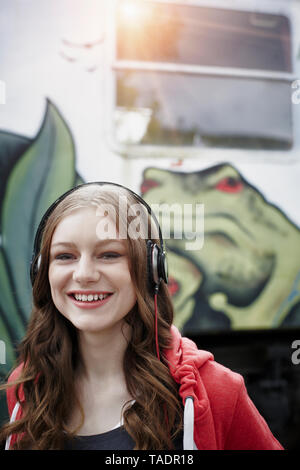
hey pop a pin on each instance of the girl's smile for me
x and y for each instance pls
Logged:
(89, 300)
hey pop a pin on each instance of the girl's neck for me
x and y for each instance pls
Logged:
(102, 353)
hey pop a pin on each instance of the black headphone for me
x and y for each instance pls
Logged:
(156, 256)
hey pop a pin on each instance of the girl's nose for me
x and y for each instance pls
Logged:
(86, 271)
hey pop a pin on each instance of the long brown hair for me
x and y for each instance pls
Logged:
(49, 351)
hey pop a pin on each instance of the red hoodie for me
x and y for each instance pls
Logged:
(224, 417)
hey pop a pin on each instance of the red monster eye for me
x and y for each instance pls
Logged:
(148, 184)
(229, 185)
(173, 286)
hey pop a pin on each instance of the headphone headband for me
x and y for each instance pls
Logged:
(156, 255)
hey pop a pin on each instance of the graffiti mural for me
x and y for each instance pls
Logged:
(34, 172)
(247, 273)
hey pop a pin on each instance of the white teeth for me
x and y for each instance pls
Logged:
(90, 297)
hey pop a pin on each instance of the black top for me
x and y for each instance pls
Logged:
(116, 439)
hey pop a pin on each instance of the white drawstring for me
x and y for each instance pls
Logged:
(188, 424)
(12, 419)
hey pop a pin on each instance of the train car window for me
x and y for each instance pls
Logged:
(202, 77)
(206, 111)
(202, 36)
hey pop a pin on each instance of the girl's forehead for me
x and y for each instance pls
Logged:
(87, 222)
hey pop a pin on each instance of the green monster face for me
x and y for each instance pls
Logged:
(243, 272)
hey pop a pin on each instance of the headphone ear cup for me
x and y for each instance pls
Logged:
(150, 276)
(163, 266)
(156, 265)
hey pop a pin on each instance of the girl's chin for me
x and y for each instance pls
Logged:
(94, 327)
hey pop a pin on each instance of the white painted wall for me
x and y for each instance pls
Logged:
(36, 63)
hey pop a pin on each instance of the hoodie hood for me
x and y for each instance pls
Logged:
(185, 362)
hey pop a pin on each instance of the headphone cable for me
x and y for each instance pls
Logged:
(156, 325)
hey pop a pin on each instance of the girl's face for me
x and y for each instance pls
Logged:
(89, 274)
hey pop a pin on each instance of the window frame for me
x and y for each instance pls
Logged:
(146, 150)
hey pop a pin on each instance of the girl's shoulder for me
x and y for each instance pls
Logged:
(15, 374)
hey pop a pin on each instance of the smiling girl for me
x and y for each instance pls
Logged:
(101, 365)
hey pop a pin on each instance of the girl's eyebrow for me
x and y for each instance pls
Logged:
(73, 245)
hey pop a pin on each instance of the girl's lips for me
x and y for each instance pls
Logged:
(89, 304)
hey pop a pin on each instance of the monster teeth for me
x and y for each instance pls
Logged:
(90, 297)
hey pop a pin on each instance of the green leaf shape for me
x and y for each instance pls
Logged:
(78, 180)
(8, 304)
(44, 172)
(12, 146)
(10, 354)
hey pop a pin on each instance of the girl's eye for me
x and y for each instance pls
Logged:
(110, 255)
(63, 256)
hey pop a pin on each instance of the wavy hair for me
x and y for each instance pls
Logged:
(49, 350)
